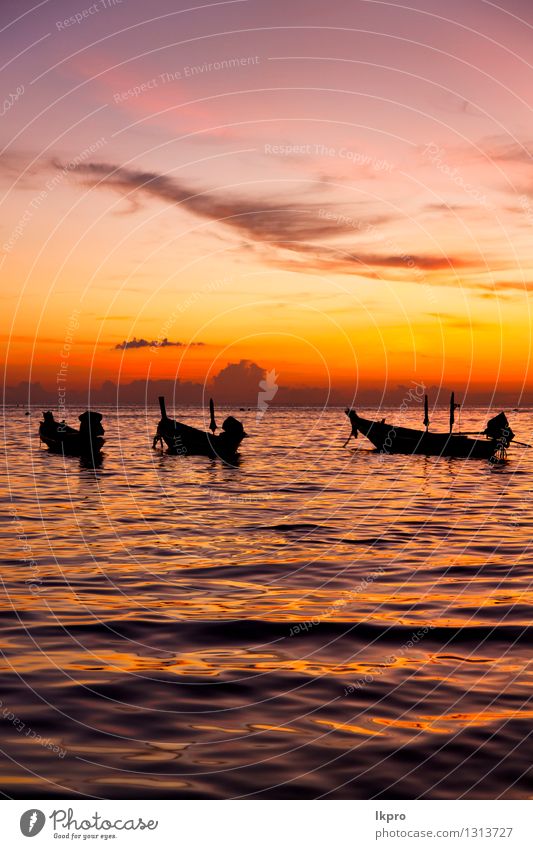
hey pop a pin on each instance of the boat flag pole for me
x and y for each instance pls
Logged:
(453, 408)
(426, 412)
(212, 423)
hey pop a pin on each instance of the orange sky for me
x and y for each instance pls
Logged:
(340, 194)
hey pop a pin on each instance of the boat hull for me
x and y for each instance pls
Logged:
(60, 438)
(71, 444)
(389, 439)
(184, 440)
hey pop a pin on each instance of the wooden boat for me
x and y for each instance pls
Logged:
(489, 444)
(63, 439)
(186, 440)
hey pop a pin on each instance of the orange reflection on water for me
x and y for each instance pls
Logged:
(448, 723)
(349, 729)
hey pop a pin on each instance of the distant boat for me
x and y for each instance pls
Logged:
(489, 444)
(63, 439)
(186, 440)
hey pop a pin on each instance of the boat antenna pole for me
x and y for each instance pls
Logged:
(212, 423)
(452, 410)
(426, 412)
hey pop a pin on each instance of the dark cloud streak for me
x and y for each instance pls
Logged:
(292, 227)
(155, 343)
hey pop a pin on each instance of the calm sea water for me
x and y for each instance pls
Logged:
(314, 622)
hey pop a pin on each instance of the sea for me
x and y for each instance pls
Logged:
(314, 621)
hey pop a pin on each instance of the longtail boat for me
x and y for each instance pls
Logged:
(489, 444)
(63, 439)
(186, 440)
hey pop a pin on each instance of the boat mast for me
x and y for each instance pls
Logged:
(426, 412)
(212, 423)
(452, 410)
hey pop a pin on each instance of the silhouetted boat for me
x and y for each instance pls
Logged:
(186, 440)
(63, 439)
(489, 444)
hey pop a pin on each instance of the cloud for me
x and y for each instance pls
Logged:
(450, 207)
(113, 317)
(500, 286)
(259, 220)
(22, 167)
(239, 381)
(292, 227)
(391, 266)
(501, 149)
(127, 345)
(450, 102)
(457, 322)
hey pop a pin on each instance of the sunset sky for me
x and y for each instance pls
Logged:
(341, 192)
